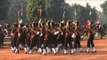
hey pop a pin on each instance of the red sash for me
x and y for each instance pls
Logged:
(27, 36)
(89, 35)
(88, 25)
(47, 37)
(66, 35)
(31, 38)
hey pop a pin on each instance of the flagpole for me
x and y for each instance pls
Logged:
(20, 14)
(64, 12)
(75, 15)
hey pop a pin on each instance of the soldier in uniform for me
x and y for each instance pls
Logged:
(28, 35)
(53, 37)
(67, 37)
(97, 22)
(18, 40)
(45, 44)
(90, 41)
(88, 25)
(41, 35)
(77, 37)
(60, 37)
(14, 36)
(33, 38)
(23, 36)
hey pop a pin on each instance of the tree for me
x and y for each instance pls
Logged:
(13, 11)
(78, 13)
(93, 16)
(14, 8)
(34, 10)
(104, 7)
(68, 12)
(84, 13)
(54, 9)
(4, 5)
(58, 10)
(31, 10)
(102, 17)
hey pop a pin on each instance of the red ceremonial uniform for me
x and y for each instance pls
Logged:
(88, 25)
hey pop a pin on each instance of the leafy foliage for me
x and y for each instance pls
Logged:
(51, 10)
(31, 10)
(4, 5)
(104, 7)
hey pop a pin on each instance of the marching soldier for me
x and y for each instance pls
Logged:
(46, 38)
(97, 24)
(53, 37)
(28, 34)
(50, 38)
(18, 40)
(98, 28)
(23, 37)
(41, 35)
(33, 37)
(14, 36)
(60, 36)
(90, 41)
(67, 38)
(88, 25)
(77, 38)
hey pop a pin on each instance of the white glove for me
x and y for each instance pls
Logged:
(61, 33)
(41, 34)
(73, 35)
(18, 34)
(57, 32)
(38, 33)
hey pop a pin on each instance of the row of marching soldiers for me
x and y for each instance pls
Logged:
(50, 37)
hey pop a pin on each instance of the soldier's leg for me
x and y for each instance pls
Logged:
(30, 48)
(45, 46)
(53, 44)
(22, 43)
(27, 45)
(32, 45)
(39, 45)
(92, 44)
(79, 44)
(65, 46)
(75, 45)
(13, 45)
(88, 46)
(17, 45)
(26, 49)
(71, 45)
